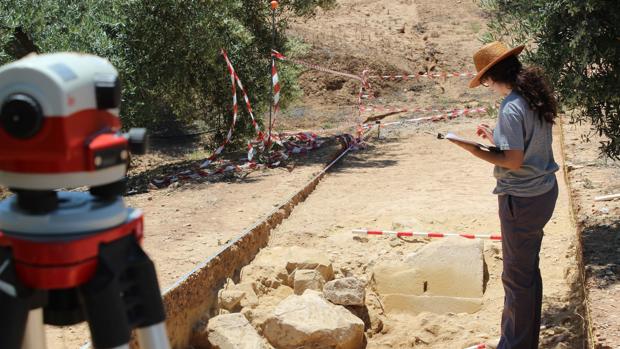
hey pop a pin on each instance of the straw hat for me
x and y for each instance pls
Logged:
(489, 55)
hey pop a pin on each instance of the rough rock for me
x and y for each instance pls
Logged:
(251, 298)
(233, 331)
(269, 275)
(281, 293)
(446, 275)
(242, 295)
(230, 299)
(276, 266)
(303, 258)
(307, 280)
(345, 291)
(258, 315)
(310, 321)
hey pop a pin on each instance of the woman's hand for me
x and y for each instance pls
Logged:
(485, 131)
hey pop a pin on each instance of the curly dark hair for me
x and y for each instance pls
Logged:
(529, 82)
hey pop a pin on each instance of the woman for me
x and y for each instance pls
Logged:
(526, 185)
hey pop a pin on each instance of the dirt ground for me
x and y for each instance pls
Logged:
(591, 176)
(386, 37)
(412, 176)
(408, 175)
(185, 225)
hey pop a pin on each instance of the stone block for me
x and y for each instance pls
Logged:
(345, 291)
(233, 331)
(310, 321)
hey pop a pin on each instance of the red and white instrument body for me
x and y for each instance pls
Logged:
(78, 142)
(59, 250)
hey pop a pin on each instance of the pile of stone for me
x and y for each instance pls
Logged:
(294, 302)
(289, 297)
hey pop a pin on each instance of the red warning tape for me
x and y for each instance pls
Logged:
(293, 144)
(281, 57)
(479, 346)
(405, 77)
(248, 106)
(426, 235)
(260, 137)
(450, 115)
(390, 109)
(276, 91)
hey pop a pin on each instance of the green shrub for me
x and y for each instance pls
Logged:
(578, 43)
(167, 51)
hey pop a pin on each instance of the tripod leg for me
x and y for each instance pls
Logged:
(153, 337)
(105, 311)
(148, 311)
(124, 294)
(13, 307)
(34, 337)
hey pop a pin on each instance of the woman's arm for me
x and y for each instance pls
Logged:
(510, 159)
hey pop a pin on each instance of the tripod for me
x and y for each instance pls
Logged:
(69, 257)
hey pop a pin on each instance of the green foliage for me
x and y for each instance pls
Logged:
(578, 44)
(167, 51)
(43, 26)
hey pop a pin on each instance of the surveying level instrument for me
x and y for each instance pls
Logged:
(71, 256)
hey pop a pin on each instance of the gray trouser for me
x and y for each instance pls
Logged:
(522, 220)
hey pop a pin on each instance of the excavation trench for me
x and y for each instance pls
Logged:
(298, 283)
(194, 296)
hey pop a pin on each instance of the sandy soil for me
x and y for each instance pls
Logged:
(590, 176)
(399, 178)
(411, 176)
(184, 225)
(387, 37)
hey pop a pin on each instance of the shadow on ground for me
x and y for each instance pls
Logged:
(601, 253)
(370, 157)
(139, 182)
(563, 323)
(566, 327)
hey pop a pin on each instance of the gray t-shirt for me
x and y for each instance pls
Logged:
(519, 128)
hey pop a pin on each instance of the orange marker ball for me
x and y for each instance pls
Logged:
(274, 5)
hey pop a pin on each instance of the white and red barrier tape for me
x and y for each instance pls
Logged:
(451, 115)
(479, 346)
(426, 234)
(299, 143)
(260, 137)
(282, 57)
(276, 91)
(391, 109)
(405, 77)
